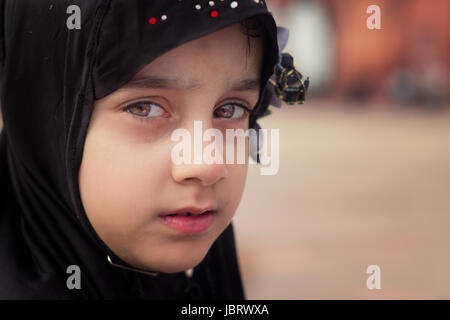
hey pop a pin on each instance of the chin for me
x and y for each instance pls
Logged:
(173, 268)
(175, 264)
(173, 259)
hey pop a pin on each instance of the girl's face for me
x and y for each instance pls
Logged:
(128, 180)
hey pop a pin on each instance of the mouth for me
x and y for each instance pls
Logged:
(191, 211)
(186, 214)
(189, 220)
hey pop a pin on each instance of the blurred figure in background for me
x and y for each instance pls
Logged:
(406, 62)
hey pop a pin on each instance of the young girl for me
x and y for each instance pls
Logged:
(92, 206)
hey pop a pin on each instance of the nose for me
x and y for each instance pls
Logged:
(206, 174)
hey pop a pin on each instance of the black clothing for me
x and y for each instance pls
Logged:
(50, 76)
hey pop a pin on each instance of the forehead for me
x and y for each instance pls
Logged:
(227, 53)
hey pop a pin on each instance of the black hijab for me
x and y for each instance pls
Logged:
(50, 77)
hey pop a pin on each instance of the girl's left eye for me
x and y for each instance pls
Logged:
(231, 111)
(145, 110)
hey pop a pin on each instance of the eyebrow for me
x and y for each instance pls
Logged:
(156, 82)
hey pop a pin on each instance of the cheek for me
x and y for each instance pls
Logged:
(237, 172)
(237, 175)
(118, 182)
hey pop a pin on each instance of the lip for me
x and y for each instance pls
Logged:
(193, 210)
(199, 220)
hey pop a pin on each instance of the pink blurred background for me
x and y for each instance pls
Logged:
(364, 173)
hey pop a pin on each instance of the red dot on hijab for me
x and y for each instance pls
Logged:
(152, 20)
(214, 13)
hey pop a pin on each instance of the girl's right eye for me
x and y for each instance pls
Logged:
(146, 109)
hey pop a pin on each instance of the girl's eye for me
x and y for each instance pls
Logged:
(231, 111)
(145, 110)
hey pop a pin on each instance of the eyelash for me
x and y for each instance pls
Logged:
(247, 111)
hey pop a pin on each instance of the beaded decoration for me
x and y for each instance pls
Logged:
(199, 5)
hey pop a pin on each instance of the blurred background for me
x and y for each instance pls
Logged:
(364, 173)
